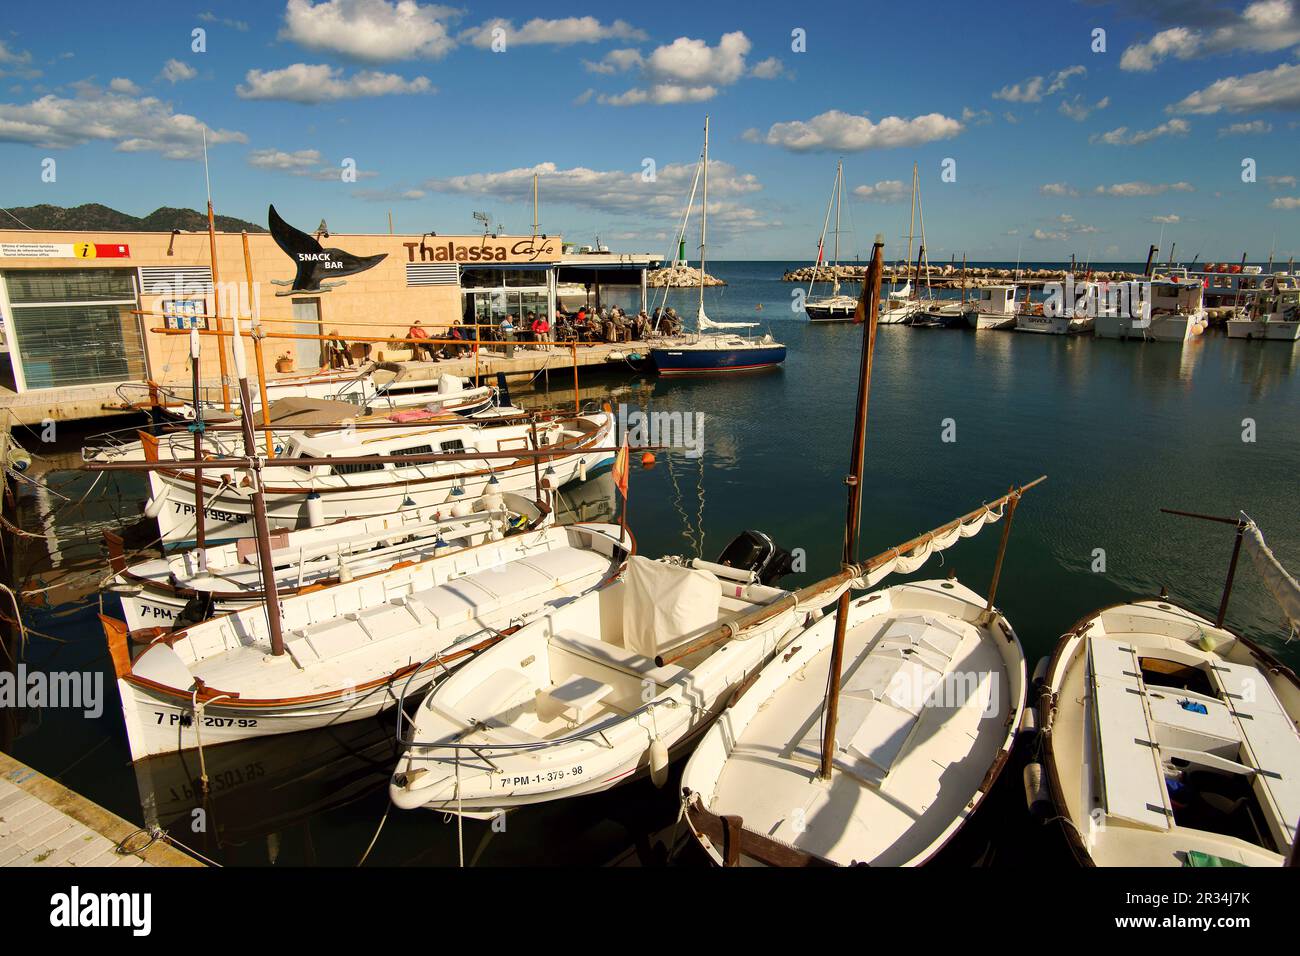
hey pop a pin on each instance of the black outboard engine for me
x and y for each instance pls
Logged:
(196, 610)
(503, 391)
(755, 551)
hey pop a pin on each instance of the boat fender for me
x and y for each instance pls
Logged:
(582, 469)
(153, 508)
(345, 572)
(658, 762)
(1036, 798)
(315, 510)
(462, 508)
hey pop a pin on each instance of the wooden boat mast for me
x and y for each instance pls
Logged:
(216, 293)
(871, 307)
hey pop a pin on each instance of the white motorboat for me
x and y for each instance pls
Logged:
(225, 578)
(576, 702)
(1174, 311)
(899, 306)
(994, 309)
(1168, 741)
(932, 692)
(349, 650)
(312, 492)
(1035, 321)
(1275, 316)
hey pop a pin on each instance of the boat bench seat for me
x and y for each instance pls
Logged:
(469, 598)
(1270, 735)
(1133, 782)
(619, 658)
(576, 699)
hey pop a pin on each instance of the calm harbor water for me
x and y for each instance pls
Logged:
(1121, 429)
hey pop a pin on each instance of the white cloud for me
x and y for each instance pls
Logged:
(210, 17)
(371, 31)
(1042, 236)
(1264, 26)
(16, 62)
(1276, 89)
(1035, 88)
(133, 124)
(615, 61)
(177, 71)
(1058, 189)
(1278, 182)
(835, 130)
(1078, 109)
(1128, 190)
(392, 194)
(885, 191)
(975, 117)
(319, 83)
(1286, 202)
(1253, 128)
(768, 69)
(620, 192)
(684, 71)
(120, 84)
(562, 32)
(1122, 137)
(1168, 220)
(296, 162)
(584, 97)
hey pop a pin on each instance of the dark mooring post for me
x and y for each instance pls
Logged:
(868, 308)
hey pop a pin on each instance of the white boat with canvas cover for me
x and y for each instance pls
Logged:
(1168, 741)
(348, 649)
(575, 702)
(932, 692)
(994, 309)
(226, 576)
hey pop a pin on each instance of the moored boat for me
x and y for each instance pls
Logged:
(350, 650)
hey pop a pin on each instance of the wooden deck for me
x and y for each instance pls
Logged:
(43, 823)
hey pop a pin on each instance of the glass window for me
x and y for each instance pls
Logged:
(357, 468)
(78, 344)
(414, 450)
(69, 285)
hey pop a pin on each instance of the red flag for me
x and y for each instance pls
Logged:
(819, 252)
(620, 469)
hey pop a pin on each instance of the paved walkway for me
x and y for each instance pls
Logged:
(43, 823)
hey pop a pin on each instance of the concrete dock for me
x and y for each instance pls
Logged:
(43, 823)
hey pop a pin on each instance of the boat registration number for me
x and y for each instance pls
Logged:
(180, 718)
(536, 779)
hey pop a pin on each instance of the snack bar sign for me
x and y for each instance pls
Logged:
(64, 250)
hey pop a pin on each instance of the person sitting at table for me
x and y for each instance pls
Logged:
(416, 331)
(458, 333)
(507, 331)
(541, 331)
(338, 351)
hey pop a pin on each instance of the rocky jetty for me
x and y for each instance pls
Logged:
(679, 277)
(950, 277)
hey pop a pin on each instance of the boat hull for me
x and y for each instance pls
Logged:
(984, 321)
(1263, 330)
(695, 361)
(1052, 325)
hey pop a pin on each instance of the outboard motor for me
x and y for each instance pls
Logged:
(503, 391)
(755, 551)
(196, 610)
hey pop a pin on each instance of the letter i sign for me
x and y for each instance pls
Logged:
(84, 250)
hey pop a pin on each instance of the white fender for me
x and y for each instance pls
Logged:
(154, 506)
(658, 762)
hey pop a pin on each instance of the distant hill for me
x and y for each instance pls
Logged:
(92, 217)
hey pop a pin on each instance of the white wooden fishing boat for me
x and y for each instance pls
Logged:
(1175, 311)
(575, 703)
(1274, 317)
(995, 308)
(1035, 321)
(1168, 741)
(225, 578)
(314, 493)
(349, 650)
(932, 692)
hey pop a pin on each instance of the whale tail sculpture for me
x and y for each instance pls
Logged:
(314, 262)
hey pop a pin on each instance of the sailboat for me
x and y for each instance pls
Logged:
(878, 734)
(713, 348)
(1169, 740)
(833, 307)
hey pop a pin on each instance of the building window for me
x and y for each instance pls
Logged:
(75, 326)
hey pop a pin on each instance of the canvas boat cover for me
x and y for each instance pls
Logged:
(663, 603)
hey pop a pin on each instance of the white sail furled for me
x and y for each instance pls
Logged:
(1280, 583)
(901, 563)
(704, 322)
(904, 292)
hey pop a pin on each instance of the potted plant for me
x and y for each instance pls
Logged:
(284, 363)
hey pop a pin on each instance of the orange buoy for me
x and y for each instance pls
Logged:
(648, 460)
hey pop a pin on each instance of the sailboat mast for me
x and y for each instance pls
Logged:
(704, 220)
(911, 222)
(839, 191)
(871, 303)
(216, 295)
(821, 243)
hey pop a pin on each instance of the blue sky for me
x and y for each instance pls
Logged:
(1057, 149)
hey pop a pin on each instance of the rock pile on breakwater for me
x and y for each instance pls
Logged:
(949, 276)
(679, 277)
